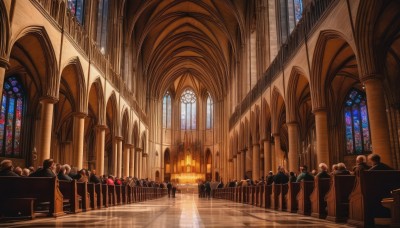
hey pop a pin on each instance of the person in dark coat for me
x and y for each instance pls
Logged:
(270, 178)
(62, 176)
(93, 178)
(304, 175)
(46, 171)
(376, 163)
(208, 189)
(323, 171)
(361, 164)
(281, 177)
(292, 177)
(6, 169)
(169, 187)
(342, 170)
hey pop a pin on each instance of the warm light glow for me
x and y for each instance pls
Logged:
(188, 178)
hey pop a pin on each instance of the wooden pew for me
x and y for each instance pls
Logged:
(318, 202)
(276, 191)
(106, 195)
(118, 193)
(393, 204)
(291, 197)
(282, 197)
(99, 192)
(365, 199)
(262, 196)
(69, 189)
(93, 195)
(267, 196)
(303, 198)
(112, 195)
(337, 198)
(84, 193)
(22, 193)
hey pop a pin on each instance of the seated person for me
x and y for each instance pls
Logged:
(375, 161)
(46, 171)
(6, 169)
(304, 175)
(334, 169)
(342, 170)
(83, 176)
(270, 178)
(292, 177)
(62, 174)
(323, 173)
(18, 171)
(110, 180)
(281, 177)
(25, 172)
(93, 178)
(361, 164)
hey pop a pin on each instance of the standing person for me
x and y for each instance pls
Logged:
(173, 191)
(169, 187)
(208, 189)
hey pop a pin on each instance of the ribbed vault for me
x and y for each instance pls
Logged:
(175, 38)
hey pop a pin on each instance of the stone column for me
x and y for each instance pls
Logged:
(100, 142)
(293, 154)
(278, 152)
(322, 135)
(3, 68)
(256, 161)
(46, 123)
(119, 155)
(137, 151)
(78, 138)
(273, 158)
(144, 165)
(234, 173)
(239, 165)
(131, 160)
(126, 156)
(380, 137)
(267, 157)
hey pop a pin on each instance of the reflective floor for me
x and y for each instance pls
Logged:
(184, 211)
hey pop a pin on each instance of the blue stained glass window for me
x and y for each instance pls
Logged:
(77, 9)
(209, 112)
(167, 111)
(102, 25)
(11, 117)
(356, 123)
(298, 9)
(188, 110)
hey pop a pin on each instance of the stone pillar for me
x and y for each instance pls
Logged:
(239, 165)
(278, 152)
(78, 138)
(234, 173)
(322, 135)
(137, 154)
(267, 157)
(46, 123)
(131, 160)
(256, 161)
(2, 74)
(293, 153)
(100, 142)
(126, 156)
(273, 158)
(380, 137)
(119, 156)
(144, 165)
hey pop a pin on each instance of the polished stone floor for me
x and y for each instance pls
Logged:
(184, 211)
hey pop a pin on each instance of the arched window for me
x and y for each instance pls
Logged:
(188, 110)
(209, 112)
(102, 20)
(77, 9)
(11, 114)
(298, 10)
(358, 139)
(167, 111)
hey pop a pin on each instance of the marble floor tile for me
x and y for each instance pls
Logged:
(187, 210)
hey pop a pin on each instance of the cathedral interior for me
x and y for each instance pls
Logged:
(190, 91)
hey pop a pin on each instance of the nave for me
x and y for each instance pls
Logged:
(186, 210)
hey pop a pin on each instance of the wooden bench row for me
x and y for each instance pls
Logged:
(24, 196)
(341, 198)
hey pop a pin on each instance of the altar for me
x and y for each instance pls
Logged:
(188, 178)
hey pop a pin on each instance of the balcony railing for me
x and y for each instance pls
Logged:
(311, 16)
(56, 12)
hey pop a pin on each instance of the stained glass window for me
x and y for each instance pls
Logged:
(77, 9)
(11, 116)
(358, 139)
(188, 110)
(167, 111)
(298, 9)
(209, 112)
(102, 20)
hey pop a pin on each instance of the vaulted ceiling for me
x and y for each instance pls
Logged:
(172, 38)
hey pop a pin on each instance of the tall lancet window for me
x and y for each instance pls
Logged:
(11, 114)
(298, 10)
(76, 7)
(188, 110)
(358, 140)
(209, 113)
(102, 20)
(167, 111)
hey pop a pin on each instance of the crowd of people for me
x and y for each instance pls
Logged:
(67, 173)
(283, 177)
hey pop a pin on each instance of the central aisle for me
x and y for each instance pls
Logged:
(184, 211)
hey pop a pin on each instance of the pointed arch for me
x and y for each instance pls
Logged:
(96, 101)
(4, 35)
